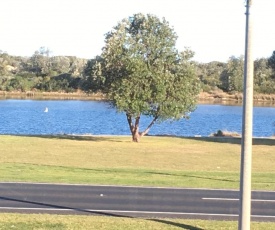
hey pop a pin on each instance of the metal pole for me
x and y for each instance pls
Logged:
(246, 150)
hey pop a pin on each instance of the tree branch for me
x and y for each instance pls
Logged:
(136, 123)
(149, 126)
(130, 123)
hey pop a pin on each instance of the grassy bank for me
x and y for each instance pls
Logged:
(221, 97)
(216, 97)
(155, 161)
(50, 95)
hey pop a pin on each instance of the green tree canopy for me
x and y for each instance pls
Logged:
(209, 74)
(40, 60)
(263, 77)
(232, 76)
(271, 63)
(142, 72)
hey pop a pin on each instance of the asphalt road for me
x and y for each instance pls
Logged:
(132, 201)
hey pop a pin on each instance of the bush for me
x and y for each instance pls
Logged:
(221, 133)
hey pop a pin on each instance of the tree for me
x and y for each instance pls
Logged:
(142, 73)
(209, 74)
(271, 61)
(232, 76)
(77, 66)
(40, 60)
(271, 83)
(6, 67)
(59, 65)
(263, 82)
(92, 80)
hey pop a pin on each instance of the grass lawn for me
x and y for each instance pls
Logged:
(155, 161)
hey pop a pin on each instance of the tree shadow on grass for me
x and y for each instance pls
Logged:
(113, 138)
(225, 139)
(180, 225)
(125, 171)
(173, 175)
(55, 207)
(235, 140)
(193, 176)
(144, 172)
(78, 137)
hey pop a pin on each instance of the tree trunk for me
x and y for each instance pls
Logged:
(134, 128)
(135, 131)
(136, 136)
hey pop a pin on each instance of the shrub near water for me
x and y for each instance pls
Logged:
(220, 133)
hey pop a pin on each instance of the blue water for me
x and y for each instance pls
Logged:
(27, 117)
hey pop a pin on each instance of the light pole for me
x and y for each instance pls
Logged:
(246, 150)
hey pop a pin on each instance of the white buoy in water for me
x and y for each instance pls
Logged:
(46, 110)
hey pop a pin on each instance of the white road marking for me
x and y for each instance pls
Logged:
(235, 199)
(222, 199)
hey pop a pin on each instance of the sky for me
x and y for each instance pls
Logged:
(213, 29)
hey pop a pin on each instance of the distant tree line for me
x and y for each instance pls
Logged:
(43, 72)
(229, 76)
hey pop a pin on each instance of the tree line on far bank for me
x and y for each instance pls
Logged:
(42, 72)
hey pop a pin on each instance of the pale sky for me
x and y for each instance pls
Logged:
(213, 29)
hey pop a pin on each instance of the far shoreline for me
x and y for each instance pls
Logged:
(217, 97)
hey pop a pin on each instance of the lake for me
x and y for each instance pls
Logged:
(28, 117)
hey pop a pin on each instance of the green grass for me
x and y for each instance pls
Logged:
(61, 174)
(155, 161)
(68, 222)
